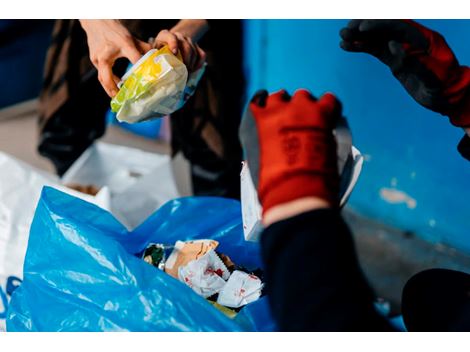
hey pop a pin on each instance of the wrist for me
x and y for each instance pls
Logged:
(292, 208)
(294, 187)
(194, 29)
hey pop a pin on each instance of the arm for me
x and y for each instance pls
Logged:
(420, 59)
(313, 278)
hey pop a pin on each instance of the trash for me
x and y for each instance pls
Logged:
(185, 252)
(87, 189)
(227, 311)
(157, 85)
(206, 275)
(227, 261)
(241, 289)
(83, 270)
(130, 175)
(350, 166)
(116, 171)
(155, 255)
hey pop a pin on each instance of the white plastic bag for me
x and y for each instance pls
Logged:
(132, 183)
(20, 188)
(139, 182)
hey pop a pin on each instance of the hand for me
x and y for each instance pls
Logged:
(109, 40)
(290, 148)
(193, 56)
(420, 59)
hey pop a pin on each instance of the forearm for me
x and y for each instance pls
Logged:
(194, 29)
(313, 277)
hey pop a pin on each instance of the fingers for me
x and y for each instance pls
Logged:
(188, 52)
(381, 25)
(260, 98)
(330, 106)
(131, 51)
(354, 24)
(107, 79)
(281, 96)
(143, 46)
(352, 39)
(303, 95)
(202, 57)
(353, 46)
(166, 37)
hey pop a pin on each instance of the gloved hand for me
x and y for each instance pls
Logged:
(290, 147)
(420, 59)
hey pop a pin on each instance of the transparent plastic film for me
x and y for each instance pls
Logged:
(157, 85)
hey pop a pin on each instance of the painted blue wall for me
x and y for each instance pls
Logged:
(413, 177)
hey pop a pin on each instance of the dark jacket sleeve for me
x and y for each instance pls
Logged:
(313, 278)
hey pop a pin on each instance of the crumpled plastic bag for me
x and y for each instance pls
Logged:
(156, 86)
(82, 273)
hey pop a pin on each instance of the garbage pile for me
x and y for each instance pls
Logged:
(210, 273)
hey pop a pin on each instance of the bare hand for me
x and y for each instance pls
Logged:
(193, 55)
(109, 40)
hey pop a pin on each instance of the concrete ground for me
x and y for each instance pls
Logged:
(388, 256)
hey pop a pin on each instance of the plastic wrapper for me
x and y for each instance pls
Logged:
(240, 289)
(349, 161)
(206, 275)
(155, 254)
(185, 252)
(157, 85)
(83, 270)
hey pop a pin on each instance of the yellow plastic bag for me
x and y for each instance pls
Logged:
(157, 85)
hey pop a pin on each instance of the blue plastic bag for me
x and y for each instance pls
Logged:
(81, 272)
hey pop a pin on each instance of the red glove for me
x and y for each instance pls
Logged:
(420, 59)
(290, 147)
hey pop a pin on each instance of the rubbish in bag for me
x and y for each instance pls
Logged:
(157, 85)
(198, 265)
(185, 252)
(227, 261)
(241, 289)
(155, 255)
(130, 176)
(87, 189)
(82, 271)
(206, 275)
(227, 311)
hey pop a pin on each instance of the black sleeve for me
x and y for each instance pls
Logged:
(313, 278)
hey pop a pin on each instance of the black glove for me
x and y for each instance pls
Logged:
(420, 59)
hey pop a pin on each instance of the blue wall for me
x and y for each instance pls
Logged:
(413, 177)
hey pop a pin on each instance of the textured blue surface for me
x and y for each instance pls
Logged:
(410, 151)
(81, 274)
